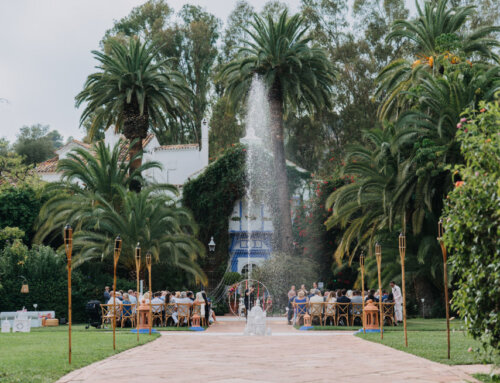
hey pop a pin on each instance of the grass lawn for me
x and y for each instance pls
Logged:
(487, 378)
(42, 355)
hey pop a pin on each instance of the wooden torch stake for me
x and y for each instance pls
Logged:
(148, 264)
(402, 253)
(137, 272)
(378, 255)
(68, 241)
(362, 265)
(445, 277)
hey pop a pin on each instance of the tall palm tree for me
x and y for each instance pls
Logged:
(297, 75)
(133, 89)
(151, 219)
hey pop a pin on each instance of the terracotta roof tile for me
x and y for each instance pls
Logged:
(48, 166)
(177, 147)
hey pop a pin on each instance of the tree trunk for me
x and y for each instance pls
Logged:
(135, 127)
(284, 219)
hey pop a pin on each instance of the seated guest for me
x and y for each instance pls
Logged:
(312, 293)
(183, 300)
(290, 308)
(390, 298)
(371, 296)
(316, 298)
(208, 308)
(112, 299)
(343, 298)
(384, 295)
(300, 304)
(107, 295)
(349, 294)
(131, 297)
(190, 295)
(356, 297)
(127, 310)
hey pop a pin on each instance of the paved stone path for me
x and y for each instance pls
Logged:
(222, 355)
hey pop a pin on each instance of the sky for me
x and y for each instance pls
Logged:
(45, 55)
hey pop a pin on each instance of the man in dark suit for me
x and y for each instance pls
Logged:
(343, 298)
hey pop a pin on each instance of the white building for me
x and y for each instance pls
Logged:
(179, 162)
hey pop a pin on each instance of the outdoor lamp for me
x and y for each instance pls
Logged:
(211, 245)
(362, 259)
(148, 258)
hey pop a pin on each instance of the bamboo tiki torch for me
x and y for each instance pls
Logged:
(445, 274)
(68, 246)
(116, 256)
(402, 253)
(362, 265)
(378, 255)
(148, 264)
(137, 272)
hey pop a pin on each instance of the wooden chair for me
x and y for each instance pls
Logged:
(169, 311)
(316, 311)
(356, 312)
(330, 312)
(157, 310)
(389, 314)
(300, 310)
(128, 313)
(108, 313)
(197, 311)
(183, 313)
(343, 312)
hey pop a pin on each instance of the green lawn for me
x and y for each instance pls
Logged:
(42, 355)
(487, 378)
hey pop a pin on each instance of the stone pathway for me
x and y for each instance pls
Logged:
(222, 355)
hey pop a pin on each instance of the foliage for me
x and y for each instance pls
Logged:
(9, 234)
(231, 278)
(93, 198)
(212, 195)
(281, 271)
(36, 144)
(472, 224)
(19, 207)
(190, 41)
(87, 176)
(88, 346)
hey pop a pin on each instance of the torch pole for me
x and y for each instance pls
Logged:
(137, 272)
(148, 264)
(362, 265)
(68, 242)
(402, 253)
(445, 277)
(378, 255)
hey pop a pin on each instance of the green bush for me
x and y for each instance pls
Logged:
(19, 207)
(472, 225)
(232, 277)
(45, 272)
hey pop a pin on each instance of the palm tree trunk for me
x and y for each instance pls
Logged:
(135, 127)
(284, 220)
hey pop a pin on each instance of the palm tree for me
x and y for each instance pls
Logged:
(154, 220)
(133, 90)
(87, 176)
(363, 207)
(437, 40)
(297, 75)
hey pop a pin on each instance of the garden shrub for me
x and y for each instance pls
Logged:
(472, 225)
(45, 272)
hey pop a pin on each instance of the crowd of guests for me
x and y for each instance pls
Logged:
(315, 295)
(159, 300)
